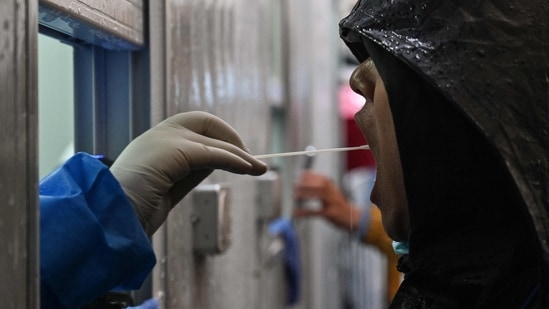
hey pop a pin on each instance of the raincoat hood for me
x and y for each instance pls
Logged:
(488, 62)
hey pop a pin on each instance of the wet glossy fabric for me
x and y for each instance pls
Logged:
(90, 238)
(481, 67)
(463, 48)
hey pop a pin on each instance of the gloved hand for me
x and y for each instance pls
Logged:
(158, 168)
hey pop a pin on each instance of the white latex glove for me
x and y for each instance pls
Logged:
(158, 168)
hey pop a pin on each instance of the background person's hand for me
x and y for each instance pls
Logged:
(342, 213)
(335, 206)
(158, 168)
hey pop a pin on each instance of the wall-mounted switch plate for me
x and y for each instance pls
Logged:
(268, 196)
(211, 219)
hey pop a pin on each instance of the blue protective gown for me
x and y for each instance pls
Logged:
(91, 241)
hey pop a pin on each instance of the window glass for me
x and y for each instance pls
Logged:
(55, 103)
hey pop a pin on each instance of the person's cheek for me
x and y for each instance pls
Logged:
(366, 123)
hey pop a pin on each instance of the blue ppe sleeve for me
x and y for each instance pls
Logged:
(284, 227)
(90, 238)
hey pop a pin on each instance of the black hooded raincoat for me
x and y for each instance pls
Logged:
(468, 87)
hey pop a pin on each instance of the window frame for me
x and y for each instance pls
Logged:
(111, 79)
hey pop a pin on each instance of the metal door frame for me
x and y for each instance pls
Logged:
(18, 135)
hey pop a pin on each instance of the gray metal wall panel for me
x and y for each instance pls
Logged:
(312, 59)
(19, 173)
(219, 57)
(215, 53)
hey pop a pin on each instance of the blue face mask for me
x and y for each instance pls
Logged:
(400, 248)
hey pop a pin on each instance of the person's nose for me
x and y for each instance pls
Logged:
(360, 81)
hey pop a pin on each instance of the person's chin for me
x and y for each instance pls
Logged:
(395, 228)
(394, 223)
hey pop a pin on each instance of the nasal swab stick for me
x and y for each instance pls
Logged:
(310, 152)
